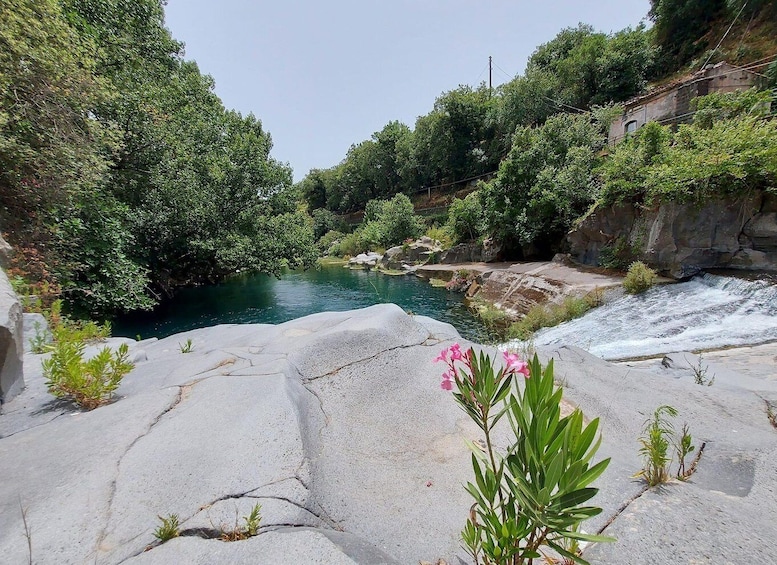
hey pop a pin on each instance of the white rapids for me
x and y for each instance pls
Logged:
(707, 312)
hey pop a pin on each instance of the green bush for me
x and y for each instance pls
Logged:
(639, 278)
(533, 492)
(466, 219)
(88, 383)
(549, 315)
(443, 235)
(329, 243)
(352, 244)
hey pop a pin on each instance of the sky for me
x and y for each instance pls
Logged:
(323, 75)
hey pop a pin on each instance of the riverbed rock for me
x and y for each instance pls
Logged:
(11, 342)
(472, 252)
(681, 239)
(335, 424)
(6, 253)
(365, 260)
(420, 251)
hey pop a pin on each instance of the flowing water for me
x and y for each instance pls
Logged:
(265, 299)
(708, 312)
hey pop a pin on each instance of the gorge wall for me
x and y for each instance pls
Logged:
(681, 239)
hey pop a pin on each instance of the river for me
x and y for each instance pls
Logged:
(707, 312)
(267, 300)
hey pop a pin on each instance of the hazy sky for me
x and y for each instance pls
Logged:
(322, 75)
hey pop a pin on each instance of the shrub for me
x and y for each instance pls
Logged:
(249, 529)
(168, 529)
(329, 243)
(655, 440)
(352, 244)
(533, 493)
(443, 235)
(466, 219)
(87, 383)
(639, 278)
(549, 315)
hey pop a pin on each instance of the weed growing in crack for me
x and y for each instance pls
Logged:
(655, 441)
(700, 371)
(771, 414)
(186, 347)
(169, 528)
(657, 435)
(247, 530)
(683, 448)
(27, 532)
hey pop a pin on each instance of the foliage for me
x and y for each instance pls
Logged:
(249, 529)
(129, 174)
(531, 495)
(655, 440)
(545, 182)
(683, 448)
(549, 315)
(700, 371)
(639, 278)
(441, 235)
(679, 24)
(618, 255)
(324, 221)
(329, 243)
(466, 218)
(353, 244)
(187, 346)
(727, 105)
(87, 383)
(390, 222)
(168, 529)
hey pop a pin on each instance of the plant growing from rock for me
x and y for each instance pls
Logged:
(249, 529)
(168, 529)
(700, 371)
(186, 347)
(532, 494)
(88, 383)
(655, 441)
(684, 447)
(639, 278)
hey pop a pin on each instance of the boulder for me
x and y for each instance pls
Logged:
(681, 239)
(418, 252)
(6, 253)
(472, 252)
(365, 260)
(11, 342)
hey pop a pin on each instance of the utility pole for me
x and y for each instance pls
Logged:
(489, 75)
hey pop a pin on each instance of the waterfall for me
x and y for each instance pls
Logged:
(707, 312)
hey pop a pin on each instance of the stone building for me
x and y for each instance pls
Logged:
(670, 104)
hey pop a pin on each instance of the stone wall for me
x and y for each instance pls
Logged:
(682, 239)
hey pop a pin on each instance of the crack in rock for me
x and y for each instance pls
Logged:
(333, 372)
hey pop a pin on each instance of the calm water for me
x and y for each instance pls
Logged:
(264, 299)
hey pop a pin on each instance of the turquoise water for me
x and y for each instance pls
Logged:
(267, 300)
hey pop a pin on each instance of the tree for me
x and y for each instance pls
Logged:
(679, 26)
(545, 182)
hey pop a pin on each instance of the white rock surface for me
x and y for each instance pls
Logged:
(335, 424)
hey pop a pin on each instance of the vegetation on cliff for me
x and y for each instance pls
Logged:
(539, 141)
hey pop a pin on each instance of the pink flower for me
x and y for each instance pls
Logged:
(446, 385)
(443, 356)
(515, 364)
(456, 352)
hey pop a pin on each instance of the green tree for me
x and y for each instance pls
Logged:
(466, 220)
(545, 183)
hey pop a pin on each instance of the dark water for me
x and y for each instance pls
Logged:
(264, 299)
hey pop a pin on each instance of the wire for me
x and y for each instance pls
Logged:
(724, 35)
(503, 72)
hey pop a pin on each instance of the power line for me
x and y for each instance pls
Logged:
(725, 34)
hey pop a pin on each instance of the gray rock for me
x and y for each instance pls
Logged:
(683, 239)
(6, 253)
(336, 425)
(11, 342)
(36, 331)
(473, 252)
(365, 260)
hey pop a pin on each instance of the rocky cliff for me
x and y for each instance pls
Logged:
(683, 239)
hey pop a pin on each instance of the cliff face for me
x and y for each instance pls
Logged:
(682, 239)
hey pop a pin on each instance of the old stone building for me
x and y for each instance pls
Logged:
(670, 104)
